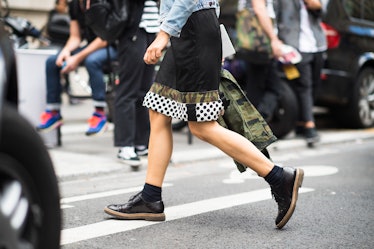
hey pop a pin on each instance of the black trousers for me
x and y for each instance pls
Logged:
(304, 86)
(131, 118)
(263, 86)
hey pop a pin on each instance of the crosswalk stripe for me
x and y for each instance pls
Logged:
(67, 200)
(108, 227)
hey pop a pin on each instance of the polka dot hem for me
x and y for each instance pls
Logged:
(205, 111)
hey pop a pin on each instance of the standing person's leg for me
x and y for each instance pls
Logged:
(317, 66)
(94, 63)
(255, 82)
(127, 97)
(51, 118)
(142, 113)
(269, 101)
(304, 93)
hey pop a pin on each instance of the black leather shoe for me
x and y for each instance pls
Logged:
(137, 209)
(285, 194)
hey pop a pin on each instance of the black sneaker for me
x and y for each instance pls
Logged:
(285, 194)
(137, 209)
(299, 131)
(311, 136)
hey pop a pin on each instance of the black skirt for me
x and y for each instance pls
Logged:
(186, 85)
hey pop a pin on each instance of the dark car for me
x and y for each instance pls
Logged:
(29, 195)
(347, 86)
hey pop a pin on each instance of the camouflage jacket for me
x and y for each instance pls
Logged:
(241, 116)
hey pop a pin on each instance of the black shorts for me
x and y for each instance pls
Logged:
(186, 85)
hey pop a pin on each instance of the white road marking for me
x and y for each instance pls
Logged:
(108, 227)
(67, 200)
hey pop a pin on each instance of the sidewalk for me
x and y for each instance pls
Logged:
(80, 155)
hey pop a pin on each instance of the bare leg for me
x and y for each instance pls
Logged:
(233, 144)
(160, 148)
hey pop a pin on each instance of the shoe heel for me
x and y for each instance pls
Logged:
(300, 175)
(155, 217)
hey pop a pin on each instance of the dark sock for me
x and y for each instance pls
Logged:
(54, 112)
(275, 176)
(151, 193)
(100, 110)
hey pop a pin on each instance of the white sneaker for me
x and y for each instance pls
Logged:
(128, 156)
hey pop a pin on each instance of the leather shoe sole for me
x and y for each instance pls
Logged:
(136, 216)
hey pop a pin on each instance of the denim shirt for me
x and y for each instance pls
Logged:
(174, 13)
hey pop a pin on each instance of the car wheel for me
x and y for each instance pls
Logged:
(29, 197)
(361, 109)
(284, 119)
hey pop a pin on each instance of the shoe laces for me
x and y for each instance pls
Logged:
(278, 198)
(45, 116)
(95, 119)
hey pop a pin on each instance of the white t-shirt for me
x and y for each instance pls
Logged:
(307, 42)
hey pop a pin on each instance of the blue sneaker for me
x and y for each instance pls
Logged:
(97, 124)
(49, 120)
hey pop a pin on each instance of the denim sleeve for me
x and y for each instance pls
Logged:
(176, 17)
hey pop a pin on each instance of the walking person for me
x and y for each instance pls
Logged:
(131, 119)
(299, 26)
(262, 77)
(93, 56)
(186, 87)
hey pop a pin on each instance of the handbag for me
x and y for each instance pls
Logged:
(108, 18)
(252, 43)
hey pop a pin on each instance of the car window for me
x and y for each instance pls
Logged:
(369, 10)
(362, 9)
(353, 8)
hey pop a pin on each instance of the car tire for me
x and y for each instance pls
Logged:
(361, 110)
(284, 118)
(28, 177)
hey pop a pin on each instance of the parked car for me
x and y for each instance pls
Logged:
(29, 195)
(347, 86)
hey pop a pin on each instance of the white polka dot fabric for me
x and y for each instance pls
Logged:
(206, 111)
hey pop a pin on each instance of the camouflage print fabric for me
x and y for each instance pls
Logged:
(241, 116)
(184, 97)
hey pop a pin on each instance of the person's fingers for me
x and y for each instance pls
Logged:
(151, 56)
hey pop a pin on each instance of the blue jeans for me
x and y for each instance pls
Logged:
(94, 63)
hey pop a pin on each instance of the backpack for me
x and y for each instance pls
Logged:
(58, 27)
(109, 19)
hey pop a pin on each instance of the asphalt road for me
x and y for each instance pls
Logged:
(210, 205)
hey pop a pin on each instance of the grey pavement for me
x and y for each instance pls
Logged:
(82, 156)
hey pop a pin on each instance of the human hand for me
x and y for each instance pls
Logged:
(313, 4)
(62, 57)
(276, 46)
(154, 51)
(70, 64)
